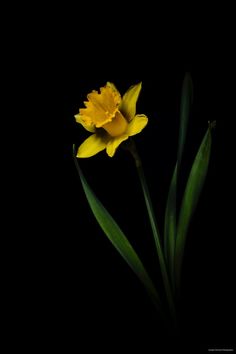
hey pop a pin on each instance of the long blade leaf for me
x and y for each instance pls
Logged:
(170, 213)
(190, 198)
(117, 238)
(186, 101)
(170, 225)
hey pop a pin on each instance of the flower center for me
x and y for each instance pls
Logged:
(117, 126)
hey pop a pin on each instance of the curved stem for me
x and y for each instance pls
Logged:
(156, 234)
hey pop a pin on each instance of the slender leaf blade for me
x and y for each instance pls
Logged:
(190, 199)
(170, 224)
(186, 101)
(117, 238)
(170, 213)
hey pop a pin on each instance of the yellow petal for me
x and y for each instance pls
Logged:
(91, 146)
(137, 124)
(79, 119)
(114, 143)
(129, 100)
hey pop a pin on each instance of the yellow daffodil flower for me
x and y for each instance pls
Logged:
(111, 118)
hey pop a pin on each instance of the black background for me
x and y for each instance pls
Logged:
(71, 290)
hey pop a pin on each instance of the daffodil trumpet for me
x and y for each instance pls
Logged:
(111, 118)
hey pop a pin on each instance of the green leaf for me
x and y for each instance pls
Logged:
(117, 237)
(190, 198)
(170, 213)
(170, 225)
(186, 101)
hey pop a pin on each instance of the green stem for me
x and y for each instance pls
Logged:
(132, 148)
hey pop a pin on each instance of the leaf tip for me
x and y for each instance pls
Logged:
(212, 125)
